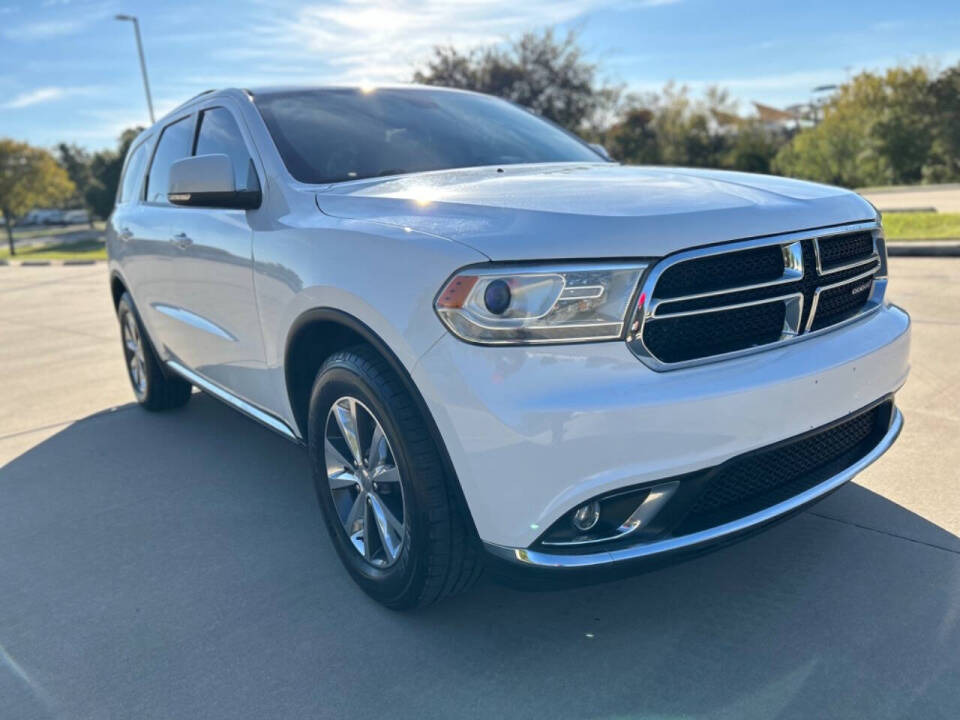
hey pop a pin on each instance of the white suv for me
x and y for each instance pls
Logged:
(500, 348)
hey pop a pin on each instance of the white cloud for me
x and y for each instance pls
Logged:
(381, 42)
(34, 97)
(45, 29)
(44, 95)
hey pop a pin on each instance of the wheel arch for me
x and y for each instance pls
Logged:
(118, 287)
(319, 332)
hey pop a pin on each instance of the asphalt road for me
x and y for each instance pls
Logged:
(174, 566)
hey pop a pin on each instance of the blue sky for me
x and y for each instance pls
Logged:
(68, 70)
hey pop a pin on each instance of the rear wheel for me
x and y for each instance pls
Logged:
(396, 523)
(153, 389)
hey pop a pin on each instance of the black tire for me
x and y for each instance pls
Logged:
(440, 555)
(157, 391)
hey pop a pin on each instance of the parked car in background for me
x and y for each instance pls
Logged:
(499, 348)
(43, 216)
(76, 217)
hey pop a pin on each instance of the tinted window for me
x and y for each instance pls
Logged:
(132, 173)
(219, 134)
(174, 145)
(343, 134)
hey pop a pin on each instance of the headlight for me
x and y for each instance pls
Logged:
(539, 304)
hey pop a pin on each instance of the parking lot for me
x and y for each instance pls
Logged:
(174, 566)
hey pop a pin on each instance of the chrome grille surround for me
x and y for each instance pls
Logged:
(797, 274)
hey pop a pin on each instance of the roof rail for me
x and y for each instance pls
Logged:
(187, 102)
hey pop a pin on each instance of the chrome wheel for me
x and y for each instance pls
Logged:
(365, 482)
(134, 354)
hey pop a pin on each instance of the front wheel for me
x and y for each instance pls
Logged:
(389, 506)
(153, 389)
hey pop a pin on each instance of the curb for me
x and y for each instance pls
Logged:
(48, 263)
(934, 248)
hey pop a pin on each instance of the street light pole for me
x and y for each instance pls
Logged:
(143, 63)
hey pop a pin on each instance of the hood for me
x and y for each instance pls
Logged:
(581, 211)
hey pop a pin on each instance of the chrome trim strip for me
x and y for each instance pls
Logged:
(251, 411)
(644, 313)
(193, 320)
(645, 512)
(792, 271)
(734, 306)
(823, 288)
(537, 559)
(875, 257)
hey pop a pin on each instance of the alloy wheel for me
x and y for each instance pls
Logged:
(134, 353)
(365, 482)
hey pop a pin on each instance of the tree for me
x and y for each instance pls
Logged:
(29, 177)
(77, 162)
(877, 129)
(944, 162)
(753, 147)
(105, 168)
(633, 139)
(538, 71)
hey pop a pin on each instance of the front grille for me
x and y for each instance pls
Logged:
(842, 250)
(753, 482)
(839, 303)
(721, 272)
(685, 338)
(716, 301)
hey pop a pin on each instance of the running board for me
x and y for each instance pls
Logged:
(251, 411)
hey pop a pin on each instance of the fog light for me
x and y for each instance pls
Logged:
(586, 516)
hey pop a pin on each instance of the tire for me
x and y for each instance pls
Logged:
(153, 389)
(439, 555)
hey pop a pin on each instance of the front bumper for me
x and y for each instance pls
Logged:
(700, 540)
(535, 431)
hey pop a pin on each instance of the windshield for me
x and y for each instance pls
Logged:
(338, 134)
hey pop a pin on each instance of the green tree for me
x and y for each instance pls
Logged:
(538, 71)
(753, 147)
(876, 130)
(633, 139)
(943, 164)
(105, 169)
(77, 162)
(29, 177)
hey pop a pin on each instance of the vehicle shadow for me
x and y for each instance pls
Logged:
(174, 565)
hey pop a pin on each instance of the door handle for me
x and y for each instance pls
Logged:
(125, 235)
(181, 240)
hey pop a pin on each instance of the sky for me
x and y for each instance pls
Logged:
(69, 71)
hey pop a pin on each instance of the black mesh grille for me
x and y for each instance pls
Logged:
(718, 272)
(844, 249)
(691, 337)
(752, 482)
(685, 338)
(840, 303)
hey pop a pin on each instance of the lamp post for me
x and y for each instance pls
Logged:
(143, 63)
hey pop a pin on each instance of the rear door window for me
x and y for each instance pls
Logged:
(174, 144)
(133, 173)
(219, 134)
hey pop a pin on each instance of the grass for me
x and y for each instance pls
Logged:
(921, 226)
(91, 248)
(31, 231)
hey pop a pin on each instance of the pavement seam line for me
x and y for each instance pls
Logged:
(884, 532)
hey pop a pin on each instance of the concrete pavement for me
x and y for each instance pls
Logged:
(942, 198)
(173, 565)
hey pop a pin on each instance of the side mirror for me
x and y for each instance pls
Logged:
(601, 151)
(208, 181)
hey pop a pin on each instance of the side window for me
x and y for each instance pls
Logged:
(219, 134)
(174, 144)
(133, 173)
